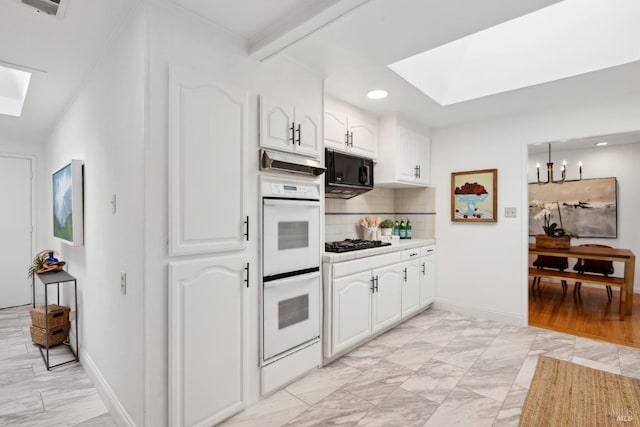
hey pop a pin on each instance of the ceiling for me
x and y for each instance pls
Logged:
(352, 48)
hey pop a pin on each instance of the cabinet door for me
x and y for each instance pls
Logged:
(406, 169)
(335, 130)
(423, 159)
(207, 344)
(207, 144)
(411, 288)
(427, 280)
(307, 134)
(351, 310)
(364, 137)
(387, 299)
(276, 121)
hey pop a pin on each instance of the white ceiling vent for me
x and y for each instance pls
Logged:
(50, 7)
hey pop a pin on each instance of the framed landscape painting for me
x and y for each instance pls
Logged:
(474, 196)
(588, 207)
(68, 221)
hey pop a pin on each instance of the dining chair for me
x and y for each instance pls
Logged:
(594, 266)
(553, 262)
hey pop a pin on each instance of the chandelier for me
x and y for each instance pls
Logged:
(563, 171)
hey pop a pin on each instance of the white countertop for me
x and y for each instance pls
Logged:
(396, 245)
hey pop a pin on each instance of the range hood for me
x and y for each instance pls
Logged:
(282, 162)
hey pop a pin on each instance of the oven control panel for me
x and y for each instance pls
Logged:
(293, 190)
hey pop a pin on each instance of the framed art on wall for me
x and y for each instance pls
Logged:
(474, 196)
(68, 205)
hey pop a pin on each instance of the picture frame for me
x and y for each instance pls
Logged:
(474, 196)
(68, 203)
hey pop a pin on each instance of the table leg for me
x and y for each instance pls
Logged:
(629, 271)
(623, 300)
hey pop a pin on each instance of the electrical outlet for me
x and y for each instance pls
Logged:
(510, 212)
(123, 282)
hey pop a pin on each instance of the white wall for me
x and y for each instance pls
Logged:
(481, 268)
(619, 161)
(180, 38)
(104, 127)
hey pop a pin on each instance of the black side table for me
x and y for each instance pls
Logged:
(50, 279)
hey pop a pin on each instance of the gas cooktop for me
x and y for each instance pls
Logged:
(353, 245)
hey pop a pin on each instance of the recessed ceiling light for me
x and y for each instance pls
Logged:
(13, 90)
(601, 143)
(378, 94)
(517, 54)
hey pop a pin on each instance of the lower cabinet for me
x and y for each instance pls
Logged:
(427, 275)
(367, 302)
(207, 341)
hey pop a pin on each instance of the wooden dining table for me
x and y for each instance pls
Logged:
(625, 283)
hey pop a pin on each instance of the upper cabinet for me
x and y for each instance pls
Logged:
(207, 144)
(289, 128)
(404, 154)
(348, 130)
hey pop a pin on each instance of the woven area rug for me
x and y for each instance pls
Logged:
(565, 394)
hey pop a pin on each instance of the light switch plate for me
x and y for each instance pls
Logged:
(510, 212)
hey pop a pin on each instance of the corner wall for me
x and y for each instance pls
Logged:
(482, 268)
(104, 127)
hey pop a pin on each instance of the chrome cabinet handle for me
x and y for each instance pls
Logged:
(246, 223)
(246, 269)
(405, 274)
(373, 288)
(299, 133)
(424, 268)
(351, 135)
(292, 139)
(377, 284)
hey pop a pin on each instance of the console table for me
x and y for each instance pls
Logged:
(625, 283)
(55, 278)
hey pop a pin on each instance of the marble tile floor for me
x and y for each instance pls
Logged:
(437, 369)
(32, 396)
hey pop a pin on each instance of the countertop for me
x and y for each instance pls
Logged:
(396, 245)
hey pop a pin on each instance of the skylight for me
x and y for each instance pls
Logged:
(13, 90)
(565, 39)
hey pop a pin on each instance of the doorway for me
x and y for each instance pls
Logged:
(16, 230)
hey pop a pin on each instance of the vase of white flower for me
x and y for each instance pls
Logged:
(554, 237)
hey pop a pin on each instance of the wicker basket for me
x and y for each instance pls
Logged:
(58, 316)
(56, 335)
(548, 242)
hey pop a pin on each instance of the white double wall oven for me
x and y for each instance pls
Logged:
(291, 291)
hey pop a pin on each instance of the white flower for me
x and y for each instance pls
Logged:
(544, 212)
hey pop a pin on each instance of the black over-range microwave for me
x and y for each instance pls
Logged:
(347, 176)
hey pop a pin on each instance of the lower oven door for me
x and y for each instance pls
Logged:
(291, 313)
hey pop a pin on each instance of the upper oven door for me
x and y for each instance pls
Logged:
(291, 237)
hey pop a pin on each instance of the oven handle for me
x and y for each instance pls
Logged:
(293, 202)
(289, 280)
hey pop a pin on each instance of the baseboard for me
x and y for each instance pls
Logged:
(116, 410)
(510, 319)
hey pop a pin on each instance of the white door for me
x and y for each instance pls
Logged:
(406, 155)
(291, 241)
(423, 154)
(291, 313)
(411, 288)
(307, 134)
(15, 228)
(335, 130)
(387, 299)
(364, 137)
(276, 125)
(352, 310)
(207, 359)
(427, 278)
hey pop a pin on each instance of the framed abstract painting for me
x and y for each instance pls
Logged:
(68, 204)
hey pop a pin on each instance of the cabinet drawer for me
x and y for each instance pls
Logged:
(356, 266)
(428, 250)
(409, 254)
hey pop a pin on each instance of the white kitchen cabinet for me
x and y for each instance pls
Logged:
(289, 128)
(349, 131)
(427, 275)
(352, 310)
(404, 158)
(387, 297)
(207, 342)
(411, 287)
(207, 144)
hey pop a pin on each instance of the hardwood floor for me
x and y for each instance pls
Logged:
(589, 314)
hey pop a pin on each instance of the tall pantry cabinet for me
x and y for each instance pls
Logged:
(207, 293)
